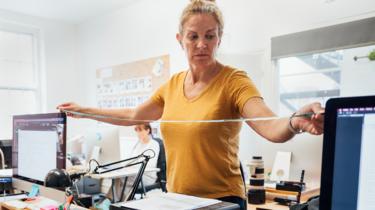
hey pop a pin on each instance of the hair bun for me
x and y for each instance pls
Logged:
(213, 1)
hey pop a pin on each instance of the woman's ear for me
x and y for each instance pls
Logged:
(179, 39)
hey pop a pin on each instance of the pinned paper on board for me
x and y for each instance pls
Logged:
(157, 69)
(130, 84)
(281, 166)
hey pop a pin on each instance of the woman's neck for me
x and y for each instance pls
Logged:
(203, 74)
(145, 140)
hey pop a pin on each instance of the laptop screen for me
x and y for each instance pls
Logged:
(354, 171)
(351, 145)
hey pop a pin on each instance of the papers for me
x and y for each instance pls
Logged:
(6, 172)
(172, 201)
(9, 198)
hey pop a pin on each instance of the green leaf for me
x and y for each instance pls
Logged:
(371, 56)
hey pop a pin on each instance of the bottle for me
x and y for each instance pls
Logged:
(256, 193)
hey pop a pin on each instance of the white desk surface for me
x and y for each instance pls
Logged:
(122, 173)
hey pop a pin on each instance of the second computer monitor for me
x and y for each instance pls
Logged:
(39, 145)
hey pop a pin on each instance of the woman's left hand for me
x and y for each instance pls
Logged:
(314, 124)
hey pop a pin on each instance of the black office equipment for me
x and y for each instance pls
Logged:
(6, 147)
(348, 178)
(88, 185)
(39, 145)
(58, 178)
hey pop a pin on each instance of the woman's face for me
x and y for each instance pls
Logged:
(142, 133)
(200, 39)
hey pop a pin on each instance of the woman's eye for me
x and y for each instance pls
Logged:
(209, 36)
(193, 37)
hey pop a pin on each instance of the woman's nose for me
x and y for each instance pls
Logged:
(201, 44)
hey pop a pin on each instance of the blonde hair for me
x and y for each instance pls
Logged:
(202, 7)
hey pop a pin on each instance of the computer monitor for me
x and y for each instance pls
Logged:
(348, 172)
(39, 145)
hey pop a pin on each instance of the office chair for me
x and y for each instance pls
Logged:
(243, 179)
(161, 175)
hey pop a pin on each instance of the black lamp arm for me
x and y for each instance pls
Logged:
(142, 155)
(138, 178)
(141, 170)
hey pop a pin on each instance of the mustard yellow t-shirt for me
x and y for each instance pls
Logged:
(202, 158)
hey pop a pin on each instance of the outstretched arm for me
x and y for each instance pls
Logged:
(278, 130)
(149, 110)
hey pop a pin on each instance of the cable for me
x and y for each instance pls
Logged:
(2, 159)
(306, 115)
(153, 153)
(92, 160)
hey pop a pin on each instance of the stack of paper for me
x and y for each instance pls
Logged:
(170, 201)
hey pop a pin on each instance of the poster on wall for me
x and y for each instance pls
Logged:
(129, 85)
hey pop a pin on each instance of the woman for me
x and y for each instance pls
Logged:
(202, 158)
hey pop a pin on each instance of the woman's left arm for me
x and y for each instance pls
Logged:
(283, 129)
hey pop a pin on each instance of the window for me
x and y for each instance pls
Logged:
(19, 83)
(331, 72)
(319, 77)
(308, 78)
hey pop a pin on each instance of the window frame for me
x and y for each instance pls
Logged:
(37, 73)
(36, 87)
(327, 93)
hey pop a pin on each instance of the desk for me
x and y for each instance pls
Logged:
(36, 204)
(268, 205)
(47, 192)
(113, 175)
(274, 206)
(48, 196)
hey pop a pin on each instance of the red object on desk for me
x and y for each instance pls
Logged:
(49, 207)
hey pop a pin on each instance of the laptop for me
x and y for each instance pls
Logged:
(348, 167)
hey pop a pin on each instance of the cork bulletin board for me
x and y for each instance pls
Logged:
(130, 84)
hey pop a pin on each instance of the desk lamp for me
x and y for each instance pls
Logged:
(57, 178)
(141, 159)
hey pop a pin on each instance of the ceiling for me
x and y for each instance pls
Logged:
(72, 11)
(78, 11)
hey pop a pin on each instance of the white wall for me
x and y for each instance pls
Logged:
(59, 59)
(58, 54)
(147, 28)
(142, 30)
(358, 76)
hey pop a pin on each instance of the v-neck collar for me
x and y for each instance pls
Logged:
(210, 83)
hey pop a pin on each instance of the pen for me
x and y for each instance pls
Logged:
(307, 115)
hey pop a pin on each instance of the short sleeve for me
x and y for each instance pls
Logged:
(159, 95)
(241, 88)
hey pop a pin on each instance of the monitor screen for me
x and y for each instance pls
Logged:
(354, 174)
(39, 145)
(348, 175)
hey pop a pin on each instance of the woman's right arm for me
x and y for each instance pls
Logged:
(149, 110)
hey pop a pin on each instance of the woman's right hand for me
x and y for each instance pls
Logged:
(73, 107)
